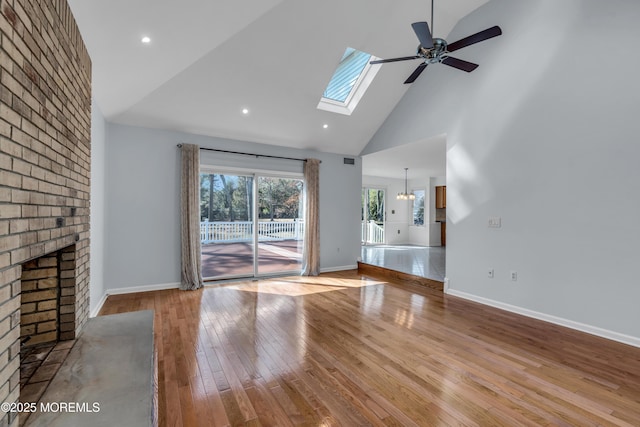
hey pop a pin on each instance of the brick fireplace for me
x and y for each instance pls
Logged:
(45, 128)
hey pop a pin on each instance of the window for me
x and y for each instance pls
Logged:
(349, 82)
(418, 207)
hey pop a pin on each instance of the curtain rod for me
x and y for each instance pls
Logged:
(250, 154)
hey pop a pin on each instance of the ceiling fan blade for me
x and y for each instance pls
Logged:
(424, 35)
(475, 38)
(404, 58)
(412, 78)
(459, 64)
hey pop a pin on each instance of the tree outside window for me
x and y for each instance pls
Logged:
(229, 198)
(418, 207)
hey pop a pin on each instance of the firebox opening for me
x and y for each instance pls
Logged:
(47, 317)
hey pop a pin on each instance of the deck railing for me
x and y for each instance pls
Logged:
(372, 232)
(242, 231)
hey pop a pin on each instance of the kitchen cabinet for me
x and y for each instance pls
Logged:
(441, 197)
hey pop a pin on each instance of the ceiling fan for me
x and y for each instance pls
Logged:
(435, 50)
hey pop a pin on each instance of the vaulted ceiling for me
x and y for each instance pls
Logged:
(208, 60)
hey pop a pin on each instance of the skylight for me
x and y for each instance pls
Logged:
(349, 82)
(345, 77)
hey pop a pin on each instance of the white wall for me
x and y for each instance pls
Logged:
(97, 220)
(544, 135)
(142, 205)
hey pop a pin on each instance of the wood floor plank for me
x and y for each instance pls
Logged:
(348, 349)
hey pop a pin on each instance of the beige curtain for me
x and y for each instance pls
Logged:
(311, 251)
(190, 218)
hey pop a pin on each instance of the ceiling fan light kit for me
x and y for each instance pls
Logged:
(436, 50)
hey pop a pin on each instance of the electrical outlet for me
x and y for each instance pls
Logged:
(494, 222)
(490, 273)
(398, 231)
(514, 276)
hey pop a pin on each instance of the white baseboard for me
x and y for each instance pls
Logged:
(342, 268)
(131, 290)
(98, 307)
(593, 330)
(143, 288)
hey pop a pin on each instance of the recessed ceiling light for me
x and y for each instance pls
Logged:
(146, 40)
(245, 111)
(324, 126)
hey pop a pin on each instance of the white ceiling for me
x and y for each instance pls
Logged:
(209, 59)
(426, 158)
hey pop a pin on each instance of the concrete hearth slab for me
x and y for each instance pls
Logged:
(107, 379)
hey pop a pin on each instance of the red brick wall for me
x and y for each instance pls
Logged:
(45, 128)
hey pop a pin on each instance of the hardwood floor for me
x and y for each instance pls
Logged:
(346, 349)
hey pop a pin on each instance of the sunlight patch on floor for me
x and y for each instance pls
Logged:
(301, 285)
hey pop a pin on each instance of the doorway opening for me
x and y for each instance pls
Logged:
(251, 224)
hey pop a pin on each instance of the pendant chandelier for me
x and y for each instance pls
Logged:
(406, 195)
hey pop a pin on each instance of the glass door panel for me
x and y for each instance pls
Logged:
(280, 225)
(373, 215)
(226, 227)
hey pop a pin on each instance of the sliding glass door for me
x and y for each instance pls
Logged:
(280, 225)
(226, 227)
(250, 225)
